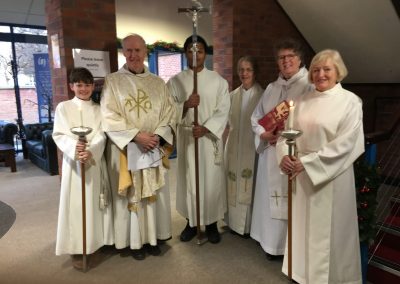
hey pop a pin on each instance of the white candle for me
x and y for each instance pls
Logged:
(80, 113)
(291, 115)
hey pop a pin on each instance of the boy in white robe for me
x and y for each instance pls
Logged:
(81, 111)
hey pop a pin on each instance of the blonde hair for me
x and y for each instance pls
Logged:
(325, 55)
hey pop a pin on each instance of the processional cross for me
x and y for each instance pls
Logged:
(194, 11)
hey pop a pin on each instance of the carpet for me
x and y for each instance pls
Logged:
(7, 218)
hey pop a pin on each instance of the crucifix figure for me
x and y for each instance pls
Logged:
(203, 103)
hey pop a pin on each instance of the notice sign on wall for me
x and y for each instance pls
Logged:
(98, 62)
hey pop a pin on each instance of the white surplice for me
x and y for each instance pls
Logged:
(240, 155)
(271, 186)
(99, 223)
(326, 246)
(213, 114)
(131, 103)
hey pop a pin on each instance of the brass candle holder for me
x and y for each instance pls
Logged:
(290, 135)
(82, 131)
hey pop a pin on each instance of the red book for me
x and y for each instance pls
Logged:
(275, 119)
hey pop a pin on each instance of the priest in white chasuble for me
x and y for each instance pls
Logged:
(81, 110)
(269, 221)
(326, 246)
(137, 108)
(213, 105)
(240, 153)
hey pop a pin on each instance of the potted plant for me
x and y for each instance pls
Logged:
(368, 180)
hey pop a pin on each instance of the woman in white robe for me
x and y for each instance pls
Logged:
(325, 230)
(99, 225)
(269, 221)
(240, 153)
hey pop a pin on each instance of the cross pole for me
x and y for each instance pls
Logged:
(193, 11)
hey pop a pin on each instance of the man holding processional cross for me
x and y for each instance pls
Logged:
(213, 103)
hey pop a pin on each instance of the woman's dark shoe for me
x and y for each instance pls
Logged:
(212, 233)
(272, 257)
(188, 233)
(138, 254)
(244, 236)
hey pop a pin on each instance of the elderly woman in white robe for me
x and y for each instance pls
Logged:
(240, 152)
(325, 232)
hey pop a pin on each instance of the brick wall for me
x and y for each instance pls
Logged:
(250, 28)
(8, 107)
(86, 24)
(381, 109)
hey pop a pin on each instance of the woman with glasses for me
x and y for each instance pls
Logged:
(269, 221)
(240, 152)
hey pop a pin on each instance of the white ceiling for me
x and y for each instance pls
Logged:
(366, 32)
(26, 12)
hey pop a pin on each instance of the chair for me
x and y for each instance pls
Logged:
(7, 132)
(42, 151)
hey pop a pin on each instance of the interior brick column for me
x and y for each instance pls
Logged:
(250, 28)
(85, 24)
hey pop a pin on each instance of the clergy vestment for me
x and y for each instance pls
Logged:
(213, 114)
(240, 155)
(131, 103)
(326, 246)
(269, 221)
(99, 223)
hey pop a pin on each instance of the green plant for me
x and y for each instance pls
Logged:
(165, 46)
(368, 180)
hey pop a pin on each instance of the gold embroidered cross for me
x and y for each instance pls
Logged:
(141, 102)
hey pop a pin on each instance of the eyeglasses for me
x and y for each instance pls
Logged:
(288, 56)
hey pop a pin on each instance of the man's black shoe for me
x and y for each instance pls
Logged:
(138, 254)
(153, 250)
(188, 233)
(212, 233)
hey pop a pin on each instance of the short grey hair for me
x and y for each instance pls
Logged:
(132, 35)
(249, 59)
